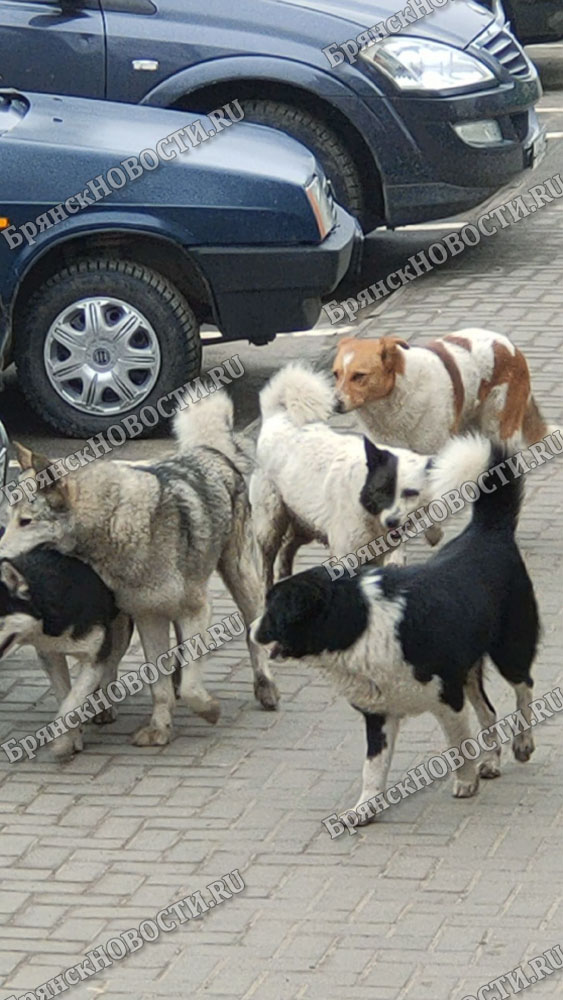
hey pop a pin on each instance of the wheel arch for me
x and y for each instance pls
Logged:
(145, 249)
(208, 96)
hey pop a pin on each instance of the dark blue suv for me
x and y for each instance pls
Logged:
(414, 114)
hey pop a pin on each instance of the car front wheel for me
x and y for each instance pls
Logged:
(328, 147)
(103, 339)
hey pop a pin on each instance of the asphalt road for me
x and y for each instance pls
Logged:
(384, 251)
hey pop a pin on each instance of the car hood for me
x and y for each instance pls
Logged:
(244, 185)
(456, 24)
(99, 128)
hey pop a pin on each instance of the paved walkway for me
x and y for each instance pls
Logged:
(437, 899)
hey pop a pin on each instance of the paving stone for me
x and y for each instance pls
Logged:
(432, 902)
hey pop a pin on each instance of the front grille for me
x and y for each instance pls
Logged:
(502, 45)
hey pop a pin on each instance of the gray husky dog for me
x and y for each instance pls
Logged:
(155, 534)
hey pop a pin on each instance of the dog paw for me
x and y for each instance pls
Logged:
(152, 736)
(434, 534)
(104, 717)
(266, 692)
(360, 814)
(67, 745)
(489, 768)
(465, 789)
(200, 702)
(211, 713)
(523, 747)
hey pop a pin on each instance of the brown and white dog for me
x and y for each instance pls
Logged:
(417, 397)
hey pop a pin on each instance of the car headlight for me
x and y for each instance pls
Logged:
(417, 64)
(319, 194)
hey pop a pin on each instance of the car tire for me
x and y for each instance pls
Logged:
(164, 342)
(337, 163)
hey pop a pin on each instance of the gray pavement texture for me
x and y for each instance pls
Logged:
(438, 898)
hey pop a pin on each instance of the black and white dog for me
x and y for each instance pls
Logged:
(399, 641)
(61, 607)
(309, 483)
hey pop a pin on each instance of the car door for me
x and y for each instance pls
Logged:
(55, 48)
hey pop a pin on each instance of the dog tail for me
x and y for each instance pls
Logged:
(304, 395)
(208, 422)
(534, 427)
(496, 495)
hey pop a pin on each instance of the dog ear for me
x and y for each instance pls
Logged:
(15, 581)
(376, 457)
(31, 460)
(391, 356)
(373, 454)
(60, 493)
(24, 456)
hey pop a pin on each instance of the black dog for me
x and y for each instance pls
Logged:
(400, 641)
(60, 606)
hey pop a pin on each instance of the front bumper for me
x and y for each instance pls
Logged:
(427, 170)
(456, 177)
(261, 291)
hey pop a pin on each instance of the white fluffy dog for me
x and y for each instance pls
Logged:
(309, 477)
